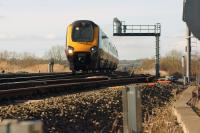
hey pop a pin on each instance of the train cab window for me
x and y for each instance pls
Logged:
(82, 32)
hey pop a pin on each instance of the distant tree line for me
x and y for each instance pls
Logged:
(26, 59)
(172, 63)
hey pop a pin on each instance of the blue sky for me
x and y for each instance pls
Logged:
(37, 25)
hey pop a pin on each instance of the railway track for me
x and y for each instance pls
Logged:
(15, 87)
(6, 78)
(15, 75)
(12, 75)
(19, 78)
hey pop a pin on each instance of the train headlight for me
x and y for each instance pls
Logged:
(93, 49)
(70, 50)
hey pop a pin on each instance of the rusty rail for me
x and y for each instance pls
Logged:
(75, 86)
(46, 77)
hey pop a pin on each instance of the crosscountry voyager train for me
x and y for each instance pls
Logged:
(89, 49)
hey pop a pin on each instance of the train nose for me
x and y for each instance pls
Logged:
(81, 59)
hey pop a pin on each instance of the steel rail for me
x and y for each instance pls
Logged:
(15, 75)
(33, 83)
(71, 87)
(46, 77)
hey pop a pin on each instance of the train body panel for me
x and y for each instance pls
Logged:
(88, 47)
(108, 53)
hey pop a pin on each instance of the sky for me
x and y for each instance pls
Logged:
(37, 25)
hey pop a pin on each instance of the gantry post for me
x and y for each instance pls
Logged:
(120, 29)
(157, 64)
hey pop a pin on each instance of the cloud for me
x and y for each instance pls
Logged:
(7, 37)
(31, 37)
(50, 36)
(1, 17)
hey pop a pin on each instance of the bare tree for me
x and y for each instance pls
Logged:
(5, 55)
(57, 53)
(172, 62)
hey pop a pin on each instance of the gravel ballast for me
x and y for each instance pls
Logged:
(97, 111)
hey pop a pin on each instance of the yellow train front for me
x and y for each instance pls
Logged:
(88, 48)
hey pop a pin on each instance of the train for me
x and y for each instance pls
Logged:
(88, 48)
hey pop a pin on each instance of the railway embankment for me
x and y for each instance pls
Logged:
(98, 110)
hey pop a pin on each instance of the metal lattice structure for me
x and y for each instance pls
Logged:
(121, 29)
(136, 30)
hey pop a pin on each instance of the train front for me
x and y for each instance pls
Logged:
(82, 45)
